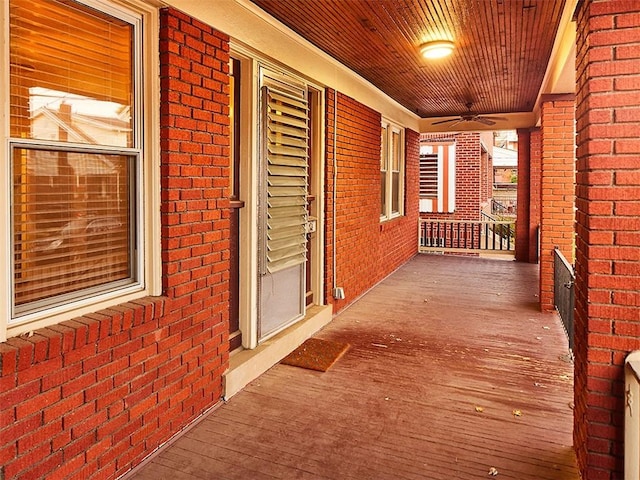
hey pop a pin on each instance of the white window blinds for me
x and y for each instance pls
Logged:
(74, 156)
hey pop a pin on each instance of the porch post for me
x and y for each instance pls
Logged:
(556, 187)
(524, 196)
(528, 217)
(607, 313)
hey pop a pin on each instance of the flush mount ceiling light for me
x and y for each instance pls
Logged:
(436, 49)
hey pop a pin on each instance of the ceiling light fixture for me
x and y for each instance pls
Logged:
(436, 49)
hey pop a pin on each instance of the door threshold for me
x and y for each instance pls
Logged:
(247, 365)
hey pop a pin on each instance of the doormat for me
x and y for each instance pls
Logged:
(316, 354)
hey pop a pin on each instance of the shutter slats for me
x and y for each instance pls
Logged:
(284, 201)
(279, 149)
(286, 179)
(289, 121)
(286, 171)
(296, 192)
(288, 141)
(284, 160)
(292, 211)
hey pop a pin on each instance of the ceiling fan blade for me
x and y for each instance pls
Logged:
(446, 121)
(497, 119)
(456, 122)
(483, 120)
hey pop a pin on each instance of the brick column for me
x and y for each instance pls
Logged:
(557, 188)
(468, 176)
(607, 314)
(535, 167)
(528, 217)
(524, 197)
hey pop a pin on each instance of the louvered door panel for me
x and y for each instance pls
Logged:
(286, 179)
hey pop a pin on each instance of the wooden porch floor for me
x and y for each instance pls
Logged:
(452, 370)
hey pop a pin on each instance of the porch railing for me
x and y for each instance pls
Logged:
(466, 236)
(563, 292)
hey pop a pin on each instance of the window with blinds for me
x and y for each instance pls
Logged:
(384, 168)
(391, 171)
(286, 178)
(74, 155)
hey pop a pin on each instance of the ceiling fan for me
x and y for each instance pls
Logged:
(470, 117)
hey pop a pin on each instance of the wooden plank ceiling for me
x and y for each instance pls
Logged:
(502, 48)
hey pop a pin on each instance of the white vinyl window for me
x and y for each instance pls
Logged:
(391, 171)
(75, 154)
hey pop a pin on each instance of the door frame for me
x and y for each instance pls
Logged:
(250, 151)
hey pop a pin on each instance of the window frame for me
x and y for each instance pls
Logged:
(388, 159)
(146, 87)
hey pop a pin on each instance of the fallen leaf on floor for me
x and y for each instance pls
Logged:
(545, 327)
(493, 471)
(479, 409)
(387, 398)
(537, 384)
(572, 405)
(564, 377)
(517, 413)
(538, 338)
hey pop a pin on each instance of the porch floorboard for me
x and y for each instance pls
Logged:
(444, 354)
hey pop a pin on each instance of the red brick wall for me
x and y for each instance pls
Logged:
(399, 237)
(366, 249)
(535, 174)
(91, 397)
(557, 188)
(607, 314)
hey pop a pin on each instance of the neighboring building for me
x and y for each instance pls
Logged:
(505, 181)
(455, 175)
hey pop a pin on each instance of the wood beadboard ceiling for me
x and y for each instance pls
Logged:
(502, 48)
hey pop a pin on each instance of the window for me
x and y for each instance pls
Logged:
(75, 153)
(437, 177)
(391, 171)
(428, 175)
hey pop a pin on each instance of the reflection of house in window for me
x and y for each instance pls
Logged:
(78, 119)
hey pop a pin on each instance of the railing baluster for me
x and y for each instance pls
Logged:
(467, 235)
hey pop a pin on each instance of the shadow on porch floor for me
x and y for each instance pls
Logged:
(452, 371)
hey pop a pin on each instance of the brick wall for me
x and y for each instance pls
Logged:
(366, 250)
(557, 188)
(607, 314)
(91, 397)
(399, 237)
(535, 173)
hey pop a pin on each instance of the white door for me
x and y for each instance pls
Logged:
(282, 209)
